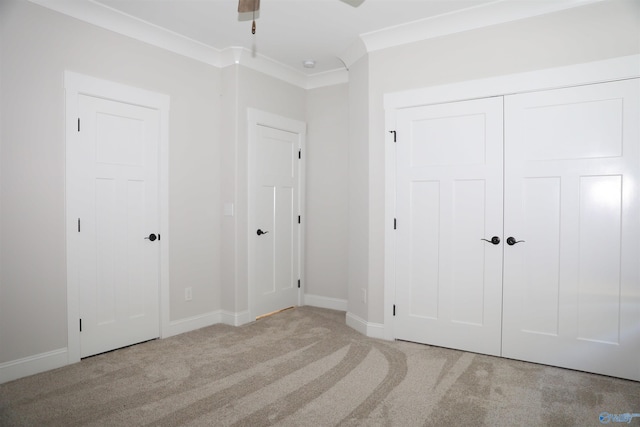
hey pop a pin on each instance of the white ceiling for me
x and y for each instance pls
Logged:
(333, 33)
(288, 31)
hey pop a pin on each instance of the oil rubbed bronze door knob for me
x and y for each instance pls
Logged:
(495, 240)
(512, 241)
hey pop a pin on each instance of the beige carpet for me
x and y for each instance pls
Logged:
(305, 367)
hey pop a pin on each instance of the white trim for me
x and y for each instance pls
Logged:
(240, 56)
(353, 53)
(554, 78)
(31, 365)
(325, 302)
(389, 215)
(485, 15)
(328, 78)
(262, 64)
(236, 319)
(372, 330)
(114, 20)
(575, 75)
(302, 203)
(189, 324)
(163, 187)
(496, 12)
(257, 117)
(74, 85)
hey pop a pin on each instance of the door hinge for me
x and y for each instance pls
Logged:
(299, 154)
(394, 309)
(394, 135)
(80, 325)
(78, 124)
(298, 283)
(395, 223)
(78, 225)
(298, 219)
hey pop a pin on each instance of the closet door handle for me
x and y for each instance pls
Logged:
(495, 240)
(512, 241)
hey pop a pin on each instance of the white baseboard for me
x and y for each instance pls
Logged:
(31, 365)
(236, 319)
(35, 364)
(192, 323)
(325, 302)
(372, 330)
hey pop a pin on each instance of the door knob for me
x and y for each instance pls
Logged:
(495, 240)
(152, 237)
(260, 232)
(512, 241)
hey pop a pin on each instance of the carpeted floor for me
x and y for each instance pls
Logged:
(305, 367)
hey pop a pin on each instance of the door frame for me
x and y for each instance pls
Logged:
(622, 68)
(257, 118)
(76, 84)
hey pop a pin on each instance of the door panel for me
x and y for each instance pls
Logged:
(118, 268)
(449, 190)
(425, 229)
(276, 269)
(467, 284)
(540, 280)
(572, 288)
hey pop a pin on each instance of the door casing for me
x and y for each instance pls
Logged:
(575, 75)
(76, 84)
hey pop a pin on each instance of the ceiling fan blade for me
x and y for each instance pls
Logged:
(245, 6)
(354, 3)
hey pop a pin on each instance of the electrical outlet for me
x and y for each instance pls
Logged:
(364, 296)
(187, 294)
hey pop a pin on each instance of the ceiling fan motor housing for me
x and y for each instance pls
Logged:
(245, 6)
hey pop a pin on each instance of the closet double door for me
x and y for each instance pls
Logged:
(518, 227)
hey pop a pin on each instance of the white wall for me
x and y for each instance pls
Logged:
(359, 196)
(326, 219)
(228, 165)
(38, 45)
(588, 33)
(244, 89)
(208, 153)
(207, 168)
(1, 180)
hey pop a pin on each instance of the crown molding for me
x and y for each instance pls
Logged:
(241, 56)
(496, 12)
(327, 78)
(264, 64)
(121, 23)
(105, 17)
(356, 51)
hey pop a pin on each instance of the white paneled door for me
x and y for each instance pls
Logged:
(449, 198)
(572, 287)
(562, 286)
(118, 223)
(274, 228)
